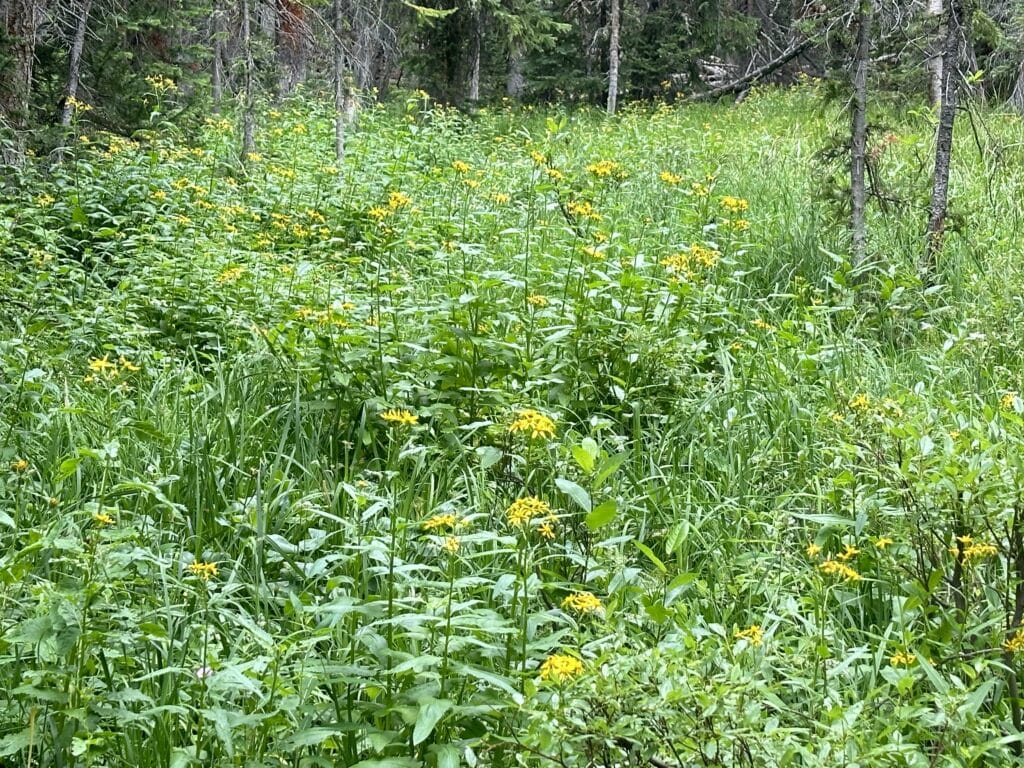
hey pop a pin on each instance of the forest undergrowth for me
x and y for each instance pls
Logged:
(525, 437)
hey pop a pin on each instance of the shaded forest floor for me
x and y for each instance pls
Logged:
(524, 437)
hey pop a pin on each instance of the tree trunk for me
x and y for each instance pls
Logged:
(20, 24)
(937, 210)
(217, 75)
(1017, 97)
(249, 107)
(290, 43)
(474, 56)
(934, 62)
(613, 56)
(75, 62)
(339, 82)
(859, 133)
(515, 83)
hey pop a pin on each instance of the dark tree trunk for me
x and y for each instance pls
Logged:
(290, 41)
(937, 210)
(859, 133)
(20, 23)
(613, 56)
(249, 106)
(75, 62)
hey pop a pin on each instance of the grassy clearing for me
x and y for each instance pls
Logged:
(516, 439)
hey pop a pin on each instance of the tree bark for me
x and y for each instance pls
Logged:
(340, 116)
(859, 133)
(750, 78)
(515, 83)
(934, 63)
(75, 62)
(217, 74)
(290, 44)
(953, 44)
(1017, 97)
(613, 56)
(249, 107)
(474, 56)
(20, 24)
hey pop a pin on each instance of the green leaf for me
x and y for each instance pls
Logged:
(489, 456)
(603, 514)
(430, 713)
(608, 467)
(447, 757)
(651, 556)
(574, 492)
(389, 762)
(16, 742)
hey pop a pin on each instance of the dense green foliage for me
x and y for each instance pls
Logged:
(260, 438)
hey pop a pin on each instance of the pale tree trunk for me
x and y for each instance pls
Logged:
(613, 56)
(859, 133)
(1017, 97)
(75, 62)
(340, 89)
(474, 56)
(934, 62)
(217, 74)
(953, 44)
(20, 23)
(249, 106)
(515, 83)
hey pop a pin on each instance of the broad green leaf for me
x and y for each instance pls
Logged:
(603, 514)
(430, 713)
(651, 556)
(574, 492)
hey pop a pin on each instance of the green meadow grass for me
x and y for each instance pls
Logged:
(262, 429)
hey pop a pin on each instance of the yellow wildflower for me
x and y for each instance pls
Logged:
(20, 465)
(534, 423)
(883, 541)
(1015, 643)
(860, 402)
(500, 198)
(581, 209)
(127, 365)
(538, 158)
(582, 602)
(102, 518)
(670, 178)
(45, 201)
(813, 550)
(1006, 401)
(378, 213)
(460, 166)
(102, 365)
(733, 204)
(761, 325)
(230, 274)
(546, 529)
(451, 544)
(398, 200)
(902, 659)
(604, 168)
(848, 553)
(751, 634)
(537, 300)
(204, 571)
(522, 511)
(837, 568)
(439, 522)
(400, 417)
(555, 174)
(560, 667)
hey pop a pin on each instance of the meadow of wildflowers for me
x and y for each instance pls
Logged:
(520, 438)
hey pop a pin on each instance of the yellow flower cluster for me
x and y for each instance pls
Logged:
(102, 518)
(560, 667)
(582, 602)
(860, 402)
(204, 571)
(733, 204)
(533, 423)
(537, 300)
(160, 83)
(1006, 401)
(581, 209)
(398, 200)
(670, 178)
(689, 262)
(522, 511)
(460, 166)
(439, 522)
(751, 634)
(849, 552)
(605, 168)
(969, 550)
(902, 659)
(20, 465)
(230, 274)
(840, 569)
(102, 367)
(45, 201)
(1015, 643)
(400, 417)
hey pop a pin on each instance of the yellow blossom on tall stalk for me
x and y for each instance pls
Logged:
(670, 178)
(451, 544)
(102, 518)
(398, 200)
(1007, 401)
(902, 659)
(460, 166)
(706, 257)
(751, 634)
(582, 602)
(533, 423)
(605, 168)
(812, 550)
(582, 209)
(537, 300)
(204, 571)
(733, 204)
(1015, 643)
(560, 667)
(400, 417)
(837, 568)
(20, 465)
(848, 553)
(522, 511)
(439, 522)
(882, 542)
(860, 402)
